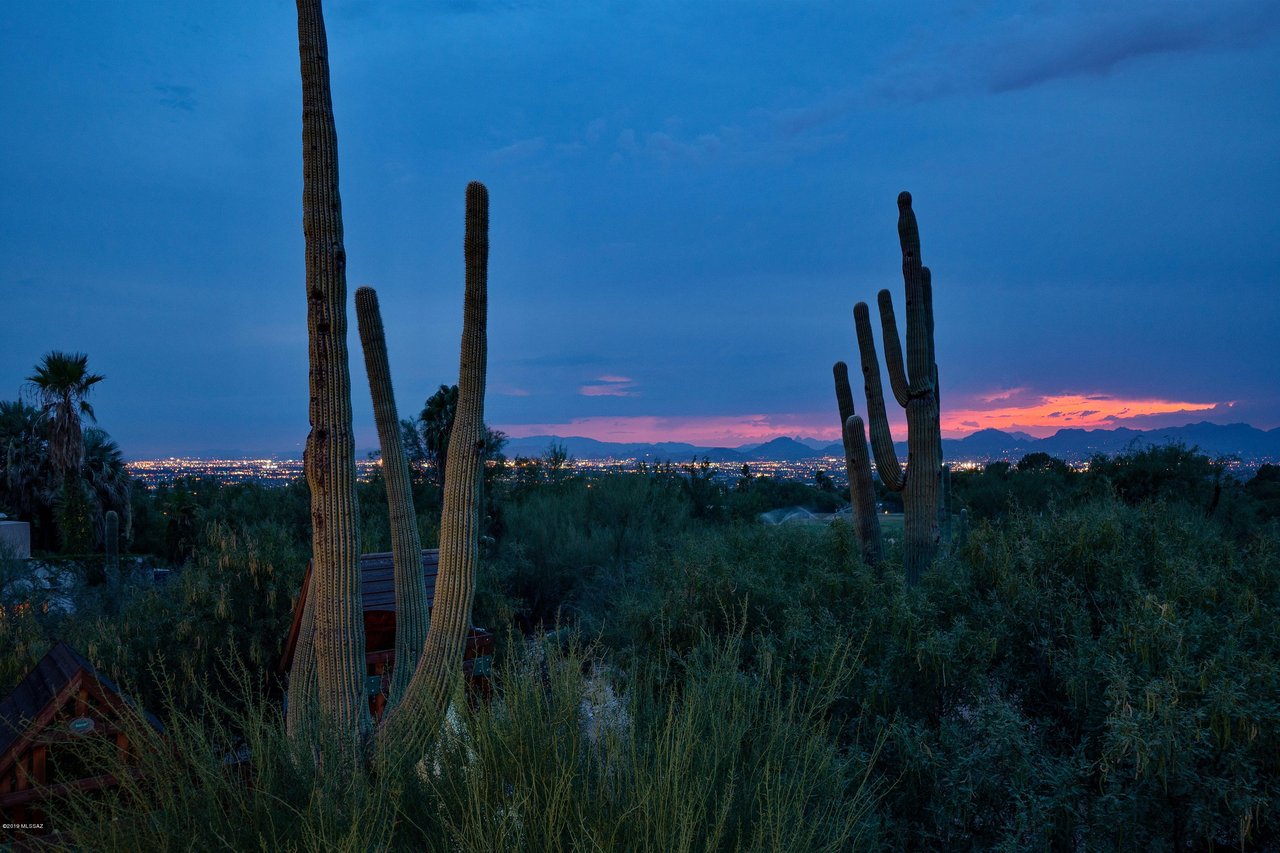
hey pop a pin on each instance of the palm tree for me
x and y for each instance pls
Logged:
(25, 482)
(61, 383)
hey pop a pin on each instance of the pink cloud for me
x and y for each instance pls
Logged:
(713, 431)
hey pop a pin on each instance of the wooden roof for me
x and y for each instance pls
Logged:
(41, 693)
(377, 580)
(377, 591)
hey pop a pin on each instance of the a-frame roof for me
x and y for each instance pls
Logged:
(42, 687)
(377, 591)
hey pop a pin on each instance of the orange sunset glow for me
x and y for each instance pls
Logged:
(1042, 415)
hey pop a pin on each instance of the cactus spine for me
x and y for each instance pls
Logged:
(330, 450)
(460, 520)
(111, 535)
(406, 547)
(862, 495)
(915, 387)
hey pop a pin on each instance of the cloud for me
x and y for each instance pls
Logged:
(517, 151)
(1003, 394)
(609, 386)
(1020, 50)
(176, 97)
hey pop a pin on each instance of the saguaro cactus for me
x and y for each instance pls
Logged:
(328, 678)
(406, 547)
(460, 520)
(111, 537)
(857, 463)
(330, 450)
(915, 388)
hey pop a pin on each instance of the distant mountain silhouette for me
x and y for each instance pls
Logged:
(581, 447)
(1240, 440)
(785, 449)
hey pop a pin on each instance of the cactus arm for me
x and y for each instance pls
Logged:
(927, 281)
(862, 495)
(926, 289)
(862, 490)
(891, 473)
(330, 451)
(441, 659)
(892, 349)
(844, 394)
(406, 546)
(919, 325)
(302, 673)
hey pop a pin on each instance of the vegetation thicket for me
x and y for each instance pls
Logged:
(1099, 671)
(1096, 667)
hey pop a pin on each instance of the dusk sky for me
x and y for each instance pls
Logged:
(687, 199)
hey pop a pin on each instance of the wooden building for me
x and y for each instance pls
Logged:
(61, 702)
(377, 588)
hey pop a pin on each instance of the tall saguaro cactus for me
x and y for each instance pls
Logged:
(862, 494)
(328, 677)
(330, 450)
(915, 387)
(460, 519)
(406, 546)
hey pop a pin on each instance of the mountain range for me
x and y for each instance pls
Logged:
(1241, 440)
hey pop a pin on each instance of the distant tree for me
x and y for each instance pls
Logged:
(1264, 488)
(426, 439)
(824, 481)
(706, 498)
(1040, 461)
(555, 460)
(1172, 471)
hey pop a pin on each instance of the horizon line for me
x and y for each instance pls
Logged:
(362, 452)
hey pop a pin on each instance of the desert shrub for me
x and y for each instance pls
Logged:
(1104, 675)
(791, 585)
(558, 538)
(230, 607)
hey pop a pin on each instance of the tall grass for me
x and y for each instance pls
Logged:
(734, 758)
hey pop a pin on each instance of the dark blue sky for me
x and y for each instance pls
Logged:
(687, 199)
